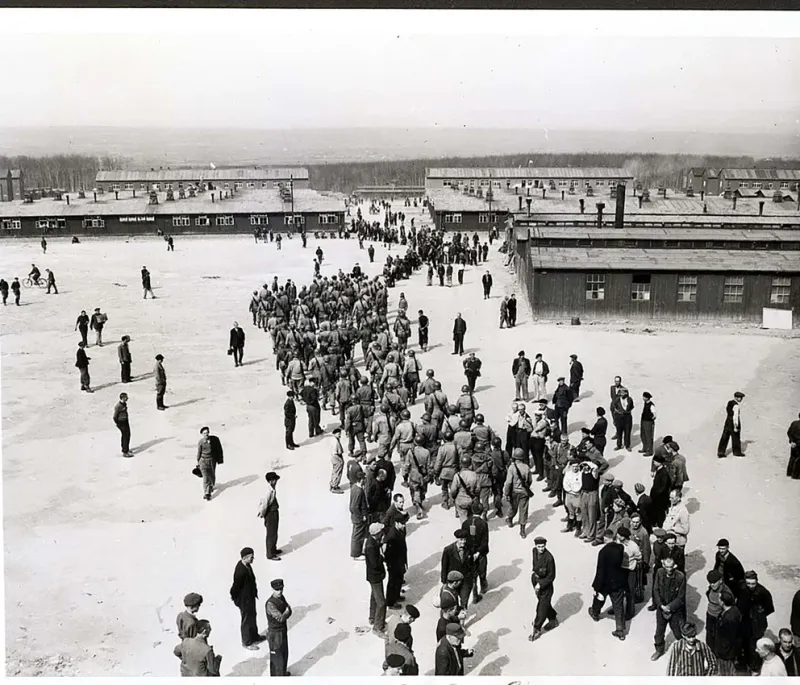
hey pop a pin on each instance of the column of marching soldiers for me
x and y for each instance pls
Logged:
(316, 332)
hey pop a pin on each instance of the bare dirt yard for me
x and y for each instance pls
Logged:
(100, 550)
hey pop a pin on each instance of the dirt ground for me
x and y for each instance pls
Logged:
(100, 550)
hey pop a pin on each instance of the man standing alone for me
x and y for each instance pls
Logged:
(82, 364)
(209, 454)
(278, 613)
(290, 419)
(146, 286)
(122, 423)
(459, 331)
(268, 509)
(487, 285)
(244, 593)
(124, 354)
(647, 426)
(542, 576)
(575, 377)
(236, 343)
(732, 430)
(161, 382)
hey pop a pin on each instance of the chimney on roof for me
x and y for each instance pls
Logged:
(67, 200)
(116, 195)
(761, 208)
(528, 202)
(702, 193)
(520, 202)
(134, 192)
(734, 201)
(600, 207)
(95, 197)
(619, 219)
(641, 199)
(544, 191)
(705, 208)
(562, 194)
(212, 197)
(581, 201)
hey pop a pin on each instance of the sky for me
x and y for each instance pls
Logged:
(317, 69)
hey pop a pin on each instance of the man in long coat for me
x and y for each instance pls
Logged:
(244, 593)
(543, 574)
(459, 331)
(236, 343)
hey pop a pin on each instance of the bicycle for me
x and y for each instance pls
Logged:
(29, 282)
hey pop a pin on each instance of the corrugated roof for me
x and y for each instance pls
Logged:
(195, 175)
(635, 259)
(761, 174)
(713, 234)
(244, 202)
(527, 172)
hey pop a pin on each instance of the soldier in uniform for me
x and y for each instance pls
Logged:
(417, 471)
(354, 426)
(478, 546)
(464, 489)
(467, 405)
(278, 613)
(517, 490)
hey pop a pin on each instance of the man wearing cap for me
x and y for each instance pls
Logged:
(562, 401)
(467, 405)
(729, 566)
(124, 356)
(517, 490)
(268, 509)
(644, 505)
(160, 376)
(449, 653)
(310, 396)
(123, 424)
(395, 550)
(641, 537)
(459, 331)
(477, 531)
(96, 323)
(716, 586)
(590, 502)
(575, 377)
(359, 515)
(728, 635)
(394, 665)
(755, 604)
(290, 419)
(187, 620)
(521, 370)
(647, 424)
(337, 461)
(669, 596)
(278, 613)
(209, 454)
(609, 581)
(472, 370)
(406, 617)
(688, 657)
(486, 281)
(244, 593)
(598, 430)
(659, 492)
(676, 465)
(539, 372)
(449, 603)
(376, 572)
(236, 343)
(500, 464)
(398, 653)
(732, 430)
(456, 558)
(631, 563)
(677, 518)
(571, 483)
(354, 426)
(196, 655)
(543, 574)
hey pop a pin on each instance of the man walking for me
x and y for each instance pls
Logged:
(310, 395)
(244, 592)
(456, 558)
(161, 382)
(610, 581)
(16, 288)
(732, 430)
(268, 509)
(236, 343)
(290, 419)
(96, 323)
(376, 572)
(124, 355)
(459, 331)
(422, 331)
(146, 286)
(278, 613)
(122, 423)
(521, 370)
(512, 311)
(477, 531)
(517, 490)
(209, 454)
(82, 364)
(543, 574)
(487, 285)
(337, 461)
(472, 370)
(575, 377)
(51, 282)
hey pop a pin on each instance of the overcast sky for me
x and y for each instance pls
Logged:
(268, 69)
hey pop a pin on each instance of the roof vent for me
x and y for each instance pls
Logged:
(153, 197)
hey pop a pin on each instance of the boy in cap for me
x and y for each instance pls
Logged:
(278, 613)
(543, 573)
(449, 653)
(406, 617)
(196, 655)
(187, 620)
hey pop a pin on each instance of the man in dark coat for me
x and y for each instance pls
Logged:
(359, 514)
(644, 505)
(622, 408)
(422, 331)
(575, 377)
(124, 356)
(562, 400)
(659, 492)
(732, 430)
(669, 596)
(395, 550)
(793, 468)
(727, 639)
(477, 531)
(278, 613)
(755, 603)
(160, 375)
(375, 575)
(82, 323)
(459, 331)
(449, 653)
(794, 619)
(310, 395)
(146, 286)
(456, 557)
(269, 510)
(729, 566)
(543, 574)
(236, 343)
(599, 430)
(82, 364)
(610, 580)
(290, 419)
(472, 370)
(486, 280)
(209, 455)
(244, 593)
(512, 311)
(123, 424)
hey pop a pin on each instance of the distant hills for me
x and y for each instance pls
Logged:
(231, 147)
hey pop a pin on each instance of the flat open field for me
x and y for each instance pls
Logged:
(100, 550)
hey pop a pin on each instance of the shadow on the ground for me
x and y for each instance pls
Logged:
(324, 649)
(692, 505)
(255, 361)
(504, 574)
(186, 402)
(568, 605)
(150, 443)
(300, 540)
(488, 643)
(244, 480)
(480, 388)
(422, 577)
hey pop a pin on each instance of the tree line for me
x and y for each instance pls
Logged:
(73, 172)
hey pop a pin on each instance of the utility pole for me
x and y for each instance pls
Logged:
(291, 190)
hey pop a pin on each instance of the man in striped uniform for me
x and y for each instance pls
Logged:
(690, 657)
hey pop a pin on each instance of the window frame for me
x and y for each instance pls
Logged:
(12, 224)
(688, 287)
(597, 280)
(202, 220)
(780, 293)
(224, 220)
(729, 295)
(641, 287)
(181, 221)
(93, 222)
